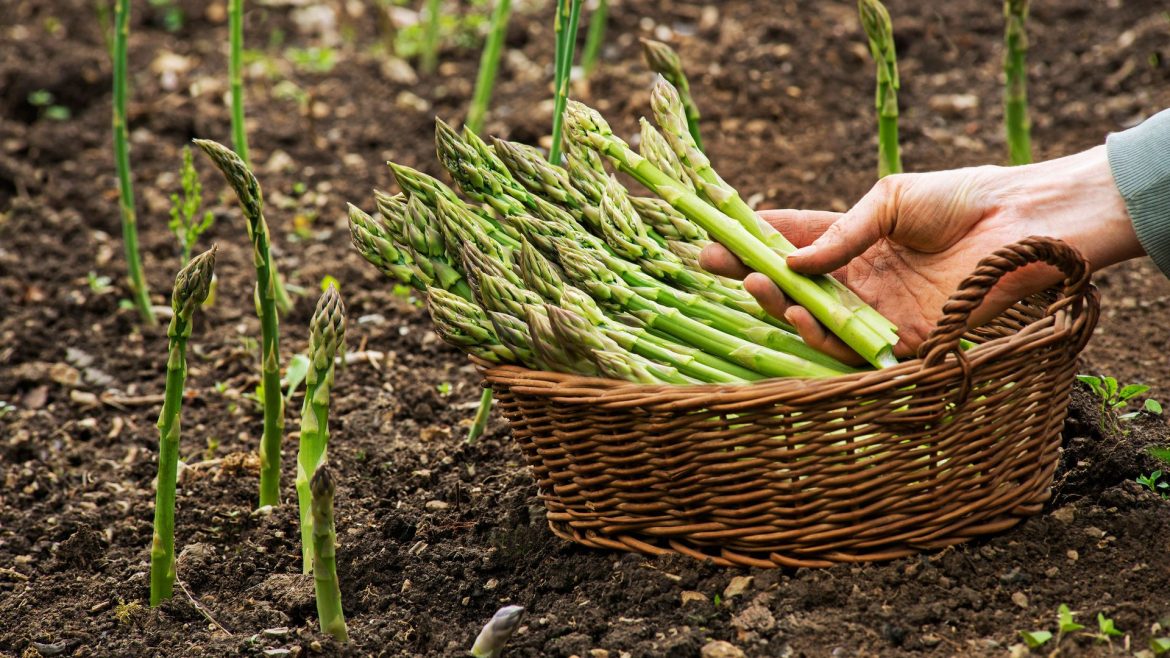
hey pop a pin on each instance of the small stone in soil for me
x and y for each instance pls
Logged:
(721, 649)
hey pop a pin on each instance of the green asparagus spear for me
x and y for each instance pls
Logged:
(326, 337)
(138, 288)
(488, 64)
(664, 61)
(328, 587)
(247, 190)
(465, 325)
(191, 286)
(880, 33)
(371, 237)
(495, 634)
(1015, 93)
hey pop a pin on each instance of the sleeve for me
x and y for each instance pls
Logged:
(1140, 161)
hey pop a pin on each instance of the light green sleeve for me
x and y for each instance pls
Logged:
(1140, 161)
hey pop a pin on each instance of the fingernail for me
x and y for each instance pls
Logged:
(803, 252)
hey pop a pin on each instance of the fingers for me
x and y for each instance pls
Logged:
(801, 227)
(857, 230)
(773, 300)
(815, 336)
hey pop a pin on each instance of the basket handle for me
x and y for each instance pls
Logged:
(944, 339)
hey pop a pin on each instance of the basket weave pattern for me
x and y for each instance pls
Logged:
(789, 472)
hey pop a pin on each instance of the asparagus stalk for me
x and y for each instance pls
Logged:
(668, 111)
(595, 37)
(880, 33)
(482, 414)
(137, 280)
(372, 239)
(654, 147)
(430, 46)
(430, 190)
(567, 17)
(236, 77)
(1015, 92)
(247, 190)
(495, 634)
(514, 335)
(191, 286)
(668, 222)
(326, 337)
(665, 62)
(613, 360)
(591, 275)
(552, 351)
(488, 64)
(836, 309)
(327, 586)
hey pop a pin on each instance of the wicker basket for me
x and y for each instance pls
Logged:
(807, 473)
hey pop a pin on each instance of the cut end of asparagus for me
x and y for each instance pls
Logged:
(496, 633)
(193, 283)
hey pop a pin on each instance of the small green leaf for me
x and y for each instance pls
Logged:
(1105, 625)
(1111, 387)
(444, 388)
(1153, 406)
(1161, 454)
(1160, 645)
(1094, 383)
(298, 369)
(1035, 639)
(1066, 621)
(58, 113)
(1132, 391)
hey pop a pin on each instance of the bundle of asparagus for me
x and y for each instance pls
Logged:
(561, 268)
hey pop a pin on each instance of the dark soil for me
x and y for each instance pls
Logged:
(434, 534)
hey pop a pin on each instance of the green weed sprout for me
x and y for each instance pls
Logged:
(326, 338)
(880, 33)
(430, 49)
(1106, 631)
(1015, 93)
(328, 588)
(496, 633)
(1154, 484)
(595, 37)
(139, 292)
(1113, 397)
(662, 59)
(247, 190)
(191, 287)
(489, 63)
(185, 221)
(567, 18)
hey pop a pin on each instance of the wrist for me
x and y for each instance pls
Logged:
(1076, 199)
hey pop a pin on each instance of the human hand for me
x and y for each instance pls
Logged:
(906, 246)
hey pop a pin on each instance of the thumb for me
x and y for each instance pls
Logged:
(872, 219)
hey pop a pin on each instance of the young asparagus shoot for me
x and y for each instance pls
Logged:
(595, 37)
(1015, 92)
(489, 63)
(662, 59)
(185, 222)
(496, 633)
(328, 588)
(191, 286)
(483, 413)
(430, 47)
(880, 33)
(139, 293)
(837, 311)
(326, 338)
(247, 190)
(567, 17)
(236, 77)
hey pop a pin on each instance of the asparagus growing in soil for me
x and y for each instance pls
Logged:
(567, 17)
(488, 64)
(236, 77)
(668, 111)
(247, 190)
(328, 588)
(835, 311)
(326, 337)
(495, 634)
(595, 37)
(880, 33)
(137, 280)
(662, 59)
(1015, 93)
(430, 46)
(191, 286)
